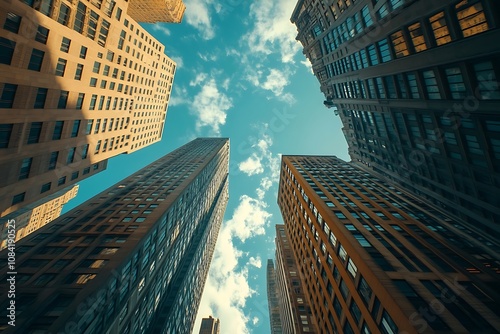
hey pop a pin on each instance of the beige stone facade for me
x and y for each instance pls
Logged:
(29, 220)
(153, 11)
(80, 82)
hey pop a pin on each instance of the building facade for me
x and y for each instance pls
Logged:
(272, 299)
(153, 11)
(80, 82)
(133, 258)
(415, 84)
(375, 259)
(294, 308)
(37, 215)
(210, 326)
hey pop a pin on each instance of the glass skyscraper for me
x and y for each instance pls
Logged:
(372, 258)
(132, 259)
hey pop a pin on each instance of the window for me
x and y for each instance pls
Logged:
(74, 175)
(79, 70)
(342, 253)
(85, 151)
(98, 146)
(92, 24)
(455, 83)
(489, 89)
(93, 82)
(65, 43)
(372, 52)
(61, 181)
(36, 60)
(83, 52)
(42, 34)
(440, 29)
(63, 17)
(25, 168)
(86, 170)
(12, 22)
(34, 134)
(58, 127)
(413, 85)
(79, 17)
(18, 198)
(103, 33)
(92, 102)
(76, 128)
(385, 54)
(41, 96)
(431, 85)
(399, 44)
(367, 19)
(79, 101)
(71, 155)
(355, 311)
(45, 187)
(351, 268)
(89, 126)
(5, 132)
(387, 325)
(471, 18)
(6, 50)
(53, 160)
(97, 67)
(417, 37)
(63, 99)
(473, 145)
(60, 67)
(344, 290)
(364, 290)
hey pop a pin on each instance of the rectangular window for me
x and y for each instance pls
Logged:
(46, 7)
(60, 67)
(79, 70)
(351, 268)
(473, 145)
(97, 67)
(74, 175)
(98, 147)
(42, 34)
(36, 60)
(6, 50)
(89, 126)
(391, 88)
(81, 11)
(45, 187)
(471, 18)
(18, 198)
(86, 170)
(92, 24)
(83, 52)
(35, 131)
(65, 43)
(367, 19)
(53, 160)
(25, 168)
(79, 101)
(103, 33)
(417, 37)
(12, 22)
(63, 99)
(61, 181)
(93, 82)
(364, 290)
(372, 52)
(455, 83)
(41, 97)
(5, 132)
(413, 85)
(380, 88)
(63, 17)
(403, 91)
(431, 85)
(85, 151)
(440, 29)
(489, 89)
(399, 44)
(93, 100)
(58, 127)
(71, 155)
(383, 48)
(76, 128)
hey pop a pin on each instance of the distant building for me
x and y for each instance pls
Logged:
(272, 299)
(416, 85)
(152, 11)
(35, 216)
(373, 259)
(80, 82)
(210, 326)
(294, 308)
(133, 258)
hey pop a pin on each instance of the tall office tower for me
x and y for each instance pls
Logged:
(157, 10)
(372, 258)
(32, 217)
(416, 87)
(272, 299)
(133, 258)
(210, 326)
(294, 308)
(80, 82)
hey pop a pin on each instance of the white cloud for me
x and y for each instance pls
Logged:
(227, 289)
(178, 61)
(161, 28)
(251, 166)
(274, 81)
(210, 105)
(307, 64)
(255, 320)
(207, 57)
(273, 32)
(198, 15)
(178, 97)
(255, 261)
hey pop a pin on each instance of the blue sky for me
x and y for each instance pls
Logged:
(240, 74)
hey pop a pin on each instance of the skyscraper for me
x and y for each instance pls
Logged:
(80, 82)
(372, 258)
(272, 299)
(133, 258)
(34, 216)
(294, 308)
(210, 326)
(415, 84)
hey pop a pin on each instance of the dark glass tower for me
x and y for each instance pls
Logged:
(415, 84)
(272, 299)
(132, 259)
(374, 259)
